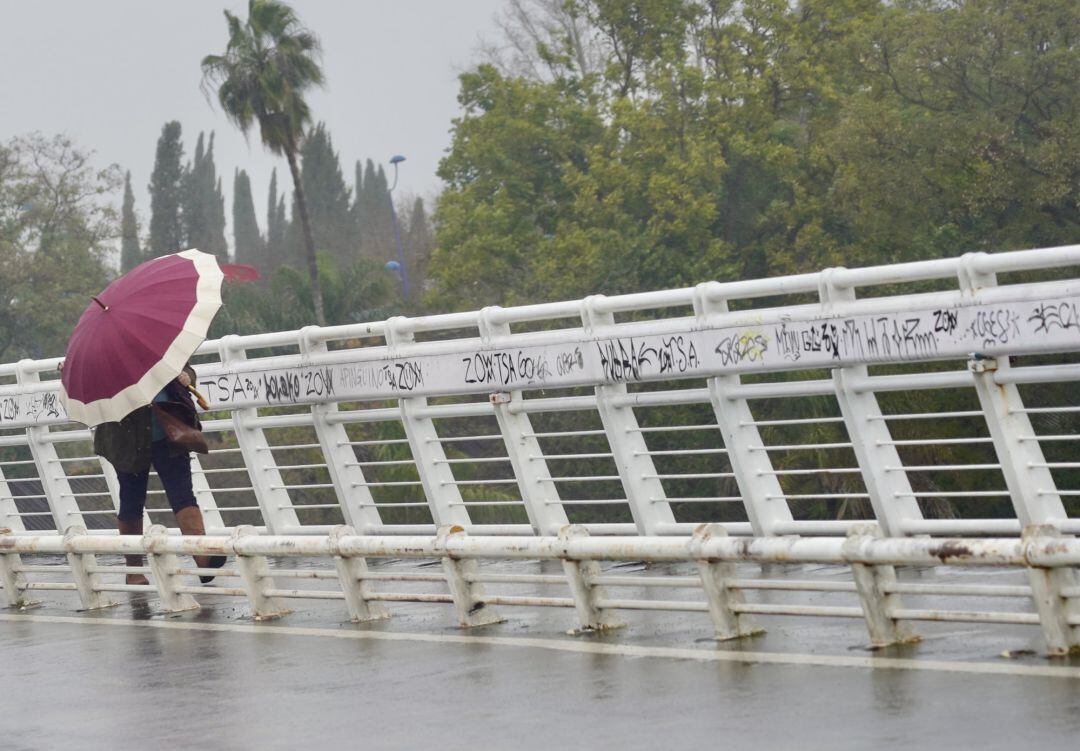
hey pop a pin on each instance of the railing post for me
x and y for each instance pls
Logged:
(257, 578)
(468, 595)
(1031, 485)
(163, 564)
(357, 504)
(352, 576)
(437, 479)
(54, 483)
(872, 583)
(13, 579)
(538, 492)
(722, 599)
(9, 512)
(277, 509)
(1049, 588)
(581, 575)
(879, 462)
(763, 497)
(83, 570)
(204, 495)
(644, 491)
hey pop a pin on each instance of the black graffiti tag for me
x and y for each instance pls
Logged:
(739, 348)
(1048, 317)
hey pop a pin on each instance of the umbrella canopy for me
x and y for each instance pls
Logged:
(137, 335)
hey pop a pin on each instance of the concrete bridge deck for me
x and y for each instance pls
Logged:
(133, 675)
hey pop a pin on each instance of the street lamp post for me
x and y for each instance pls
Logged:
(402, 271)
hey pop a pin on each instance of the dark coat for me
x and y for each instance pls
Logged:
(127, 444)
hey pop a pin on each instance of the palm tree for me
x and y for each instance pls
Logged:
(269, 63)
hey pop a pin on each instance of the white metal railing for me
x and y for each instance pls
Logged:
(645, 413)
(709, 584)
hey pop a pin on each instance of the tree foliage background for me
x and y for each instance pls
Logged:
(655, 143)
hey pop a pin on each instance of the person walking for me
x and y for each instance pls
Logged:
(136, 443)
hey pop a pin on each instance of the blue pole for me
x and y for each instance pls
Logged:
(396, 160)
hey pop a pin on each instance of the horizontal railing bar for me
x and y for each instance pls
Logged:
(941, 467)
(463, 438)
(824, 611)
(529, 600)
(376, 442)
(791, 586)
(934, 441)
(473, 460)
(690, 476)
(678, 452)
(1043, 552)
(954, 590)
(588, 502)
(928, 415)
(956, 616)
(308, 486)
(562, 434)
(304, 594)
(802, 446)
(794, 421)
(496, 481)
(486, 503)
(661, 605)
(675, 582)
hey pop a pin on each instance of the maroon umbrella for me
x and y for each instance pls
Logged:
(137, 335)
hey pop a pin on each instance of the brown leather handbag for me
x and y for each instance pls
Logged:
(174, 417)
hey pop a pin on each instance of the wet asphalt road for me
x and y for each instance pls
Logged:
(131, 678)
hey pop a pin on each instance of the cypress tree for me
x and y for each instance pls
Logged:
(204, 203)
(419, 242)
(327, 199)
(130, 252)
(247, 242)
(373, 213)
(166, 193)
(359, 216)
(275, 226)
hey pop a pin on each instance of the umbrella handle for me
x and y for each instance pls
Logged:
(199, 397)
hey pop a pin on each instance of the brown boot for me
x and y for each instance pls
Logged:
(133, 528)
(191, 523)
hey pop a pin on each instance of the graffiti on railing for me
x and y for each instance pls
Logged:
(31, 409)
(689, 347)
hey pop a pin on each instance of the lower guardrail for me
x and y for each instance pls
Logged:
(1049, 560)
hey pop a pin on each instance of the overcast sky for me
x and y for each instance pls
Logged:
(110, 73)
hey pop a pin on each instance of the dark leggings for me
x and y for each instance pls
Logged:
(175, 475)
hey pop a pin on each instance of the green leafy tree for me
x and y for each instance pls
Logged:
(247, 241)
(130, 252)
(354, 294)
(269, 63)
(57, 229)
(167, 193)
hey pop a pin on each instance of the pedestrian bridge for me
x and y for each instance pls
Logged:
(896, 412)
